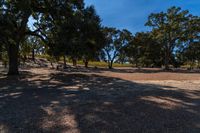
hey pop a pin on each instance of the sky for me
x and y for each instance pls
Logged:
(133, 14)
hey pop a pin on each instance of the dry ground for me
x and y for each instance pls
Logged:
(100, 101)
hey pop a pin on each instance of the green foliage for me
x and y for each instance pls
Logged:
(144, 50)
(191, 54)
(169, 29)
(67, 28)
(48, 15)
(115, 41)
(92, 35)
(74, 32)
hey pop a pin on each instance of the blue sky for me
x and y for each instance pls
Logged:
(132, 14)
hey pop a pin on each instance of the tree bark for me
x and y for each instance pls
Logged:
(13, 55)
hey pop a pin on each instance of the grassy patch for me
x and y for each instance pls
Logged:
(104, 64)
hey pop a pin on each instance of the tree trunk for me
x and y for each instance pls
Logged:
(25, 57)
(86, 63)
(65, 62)
(1, 57)
(74, 62)
(33, 55)
(167, 56)
(13, 53)
(52, 66)
(110, 64)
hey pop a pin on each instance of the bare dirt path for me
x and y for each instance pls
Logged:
(151, 74)
(94, 101)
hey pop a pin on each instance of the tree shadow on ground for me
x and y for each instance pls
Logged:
(68, 102)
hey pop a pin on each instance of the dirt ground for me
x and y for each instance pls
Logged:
(128, 100)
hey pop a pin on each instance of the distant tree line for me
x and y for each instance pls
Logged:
(174, 40)
(68, 29)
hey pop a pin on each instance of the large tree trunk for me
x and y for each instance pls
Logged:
(13, 54)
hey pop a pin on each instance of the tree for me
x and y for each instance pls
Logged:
(125, 38)
(61, 28)
(92, 36)
(67, 37)
(115, 41)
(35, 45)
(144, 50)
(14, 18)
(123, 58)
(191, 54)
(169, 29)
(31, 45)
(81, 31)
(191, 47)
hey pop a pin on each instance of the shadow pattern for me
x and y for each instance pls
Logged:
(80, 103)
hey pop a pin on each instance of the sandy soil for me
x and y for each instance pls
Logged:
(100, 101)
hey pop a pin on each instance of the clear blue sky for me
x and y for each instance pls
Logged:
(132, 14)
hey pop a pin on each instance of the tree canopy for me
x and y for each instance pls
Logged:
(69, 29)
